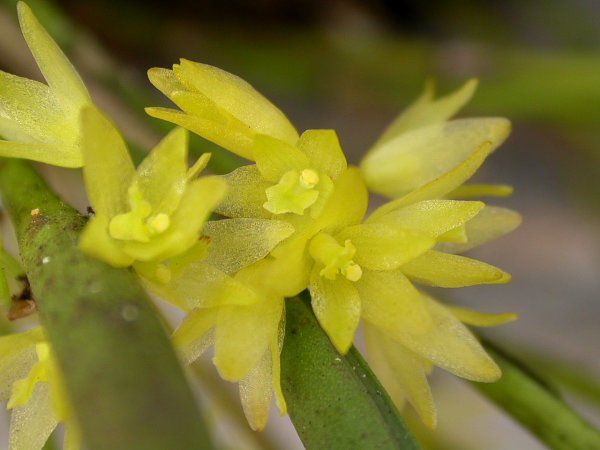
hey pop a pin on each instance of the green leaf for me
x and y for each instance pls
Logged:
(334, 401)
(120, 372)
(536, 405)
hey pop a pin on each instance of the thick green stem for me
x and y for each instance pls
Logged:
(121, 374)
(530, 401)
(334, 401)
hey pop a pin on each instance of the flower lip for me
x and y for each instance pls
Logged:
(335, 258)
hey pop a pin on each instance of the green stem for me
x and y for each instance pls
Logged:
(531, 402)
(334, 401)
(121, 373)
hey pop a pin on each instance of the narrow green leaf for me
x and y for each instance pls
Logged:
(530, 401)
(121, 374)
(334, 401)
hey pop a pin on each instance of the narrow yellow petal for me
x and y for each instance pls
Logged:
(390, 302)
(347, 203)
(57, 155)
(162, 175)
(54, 65)
(199, 285)
(479, 319)
(238, 98)
(447, 270)
(34, 111)
(408, 371)
(383, 246)
(447, 343)
(243, 335)
(430, 217)
(36, 415)
(324, 152)
(194, 335)
(405, 163)
(491, 223)
(108, 169)
(212, 127)
(426, 111)
(165, 81)
(18, 355)
(236, 243)
(337, 306)
(245, 195)
(275, 157)
(481, 190)
(256, 392)
(441, 186)
(276, 346)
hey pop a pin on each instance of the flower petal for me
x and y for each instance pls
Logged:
(441, 186)
(34, 110)
(201, 285)
(245, 194)
(390, 302)
(57, 155)
(243, 334)
(451, 271)
(405, 163)
(108, 169)
(337, 306)
(256, 392)
(324, 152)
(275, 157)
(491, 223)
(383, 246)
(234, 95)
(193, 336)
(403, 372)
(32, 424)
(162, 175)
(236, 243)
(426, 111)
(17, 356)
(481, 190)
(347, 203)
(479, 319)
(212, 126)
(95, 241)
(430, 217)
(54, 65)
(199, 200)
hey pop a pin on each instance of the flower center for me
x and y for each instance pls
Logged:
(138, 224)
(334, 257)
(294, 193)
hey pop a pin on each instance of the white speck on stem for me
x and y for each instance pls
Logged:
(338, 359)
(45, 260)
(130, 313)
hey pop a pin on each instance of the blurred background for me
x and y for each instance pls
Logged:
(353, 66)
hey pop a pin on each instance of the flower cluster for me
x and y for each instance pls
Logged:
(295, 218)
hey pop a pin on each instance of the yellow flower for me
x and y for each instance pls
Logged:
(40, 122)
(248, 337)
(365, 272)
(151, 217)
(30, 380)
(218, 106)
(422, 144)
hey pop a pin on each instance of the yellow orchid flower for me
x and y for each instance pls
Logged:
(31, 382)
(248, 336)
(39, 121)
(422, 144)
(365, 272)
(152, 217)
(218, 106)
